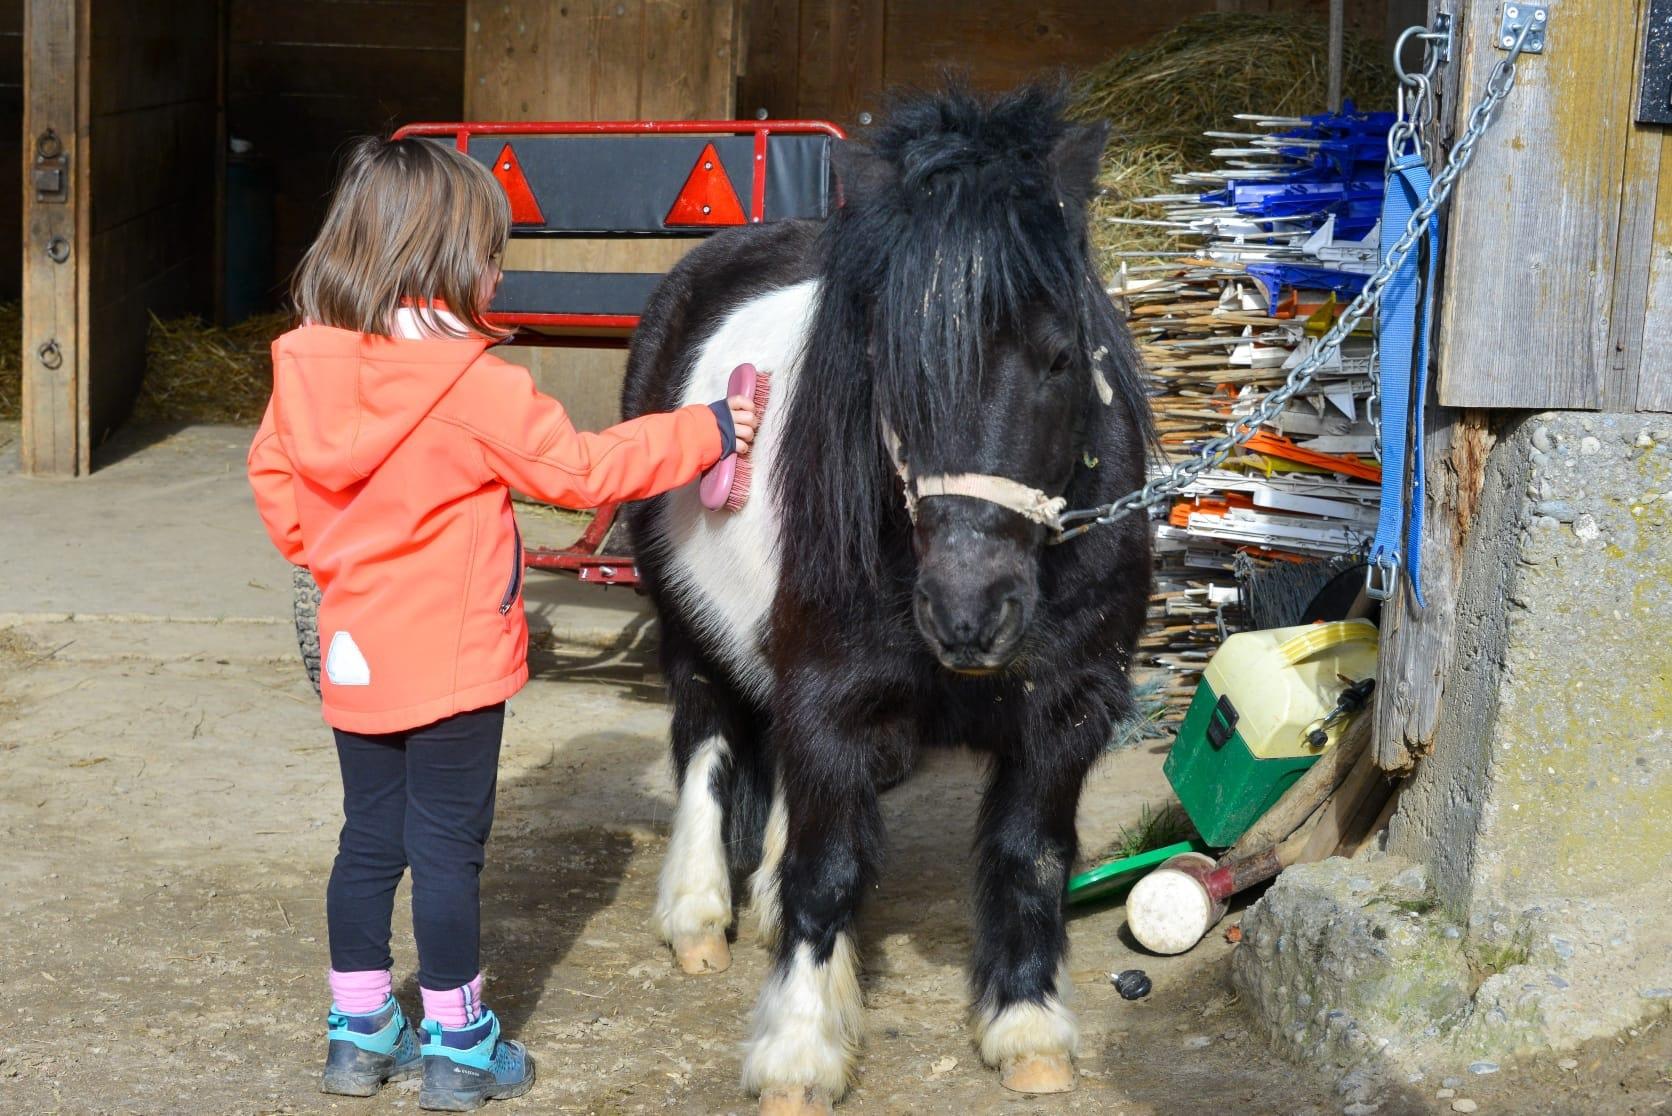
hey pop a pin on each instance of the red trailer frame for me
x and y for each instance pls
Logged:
(585, 558)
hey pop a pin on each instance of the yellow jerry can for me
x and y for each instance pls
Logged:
(1254, 725)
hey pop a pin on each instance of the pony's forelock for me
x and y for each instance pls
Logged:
(954, 224)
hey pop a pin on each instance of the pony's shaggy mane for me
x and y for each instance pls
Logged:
(959, 213)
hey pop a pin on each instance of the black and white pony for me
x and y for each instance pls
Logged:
(946, 370)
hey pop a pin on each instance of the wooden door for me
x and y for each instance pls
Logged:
(54, 435)
(121, 154)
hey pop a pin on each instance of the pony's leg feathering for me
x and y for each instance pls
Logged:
(1025, 845)
(693, 894)
(712, 729)
(807, 1021)
(763, 883)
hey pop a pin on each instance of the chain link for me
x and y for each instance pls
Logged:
(1216, 452)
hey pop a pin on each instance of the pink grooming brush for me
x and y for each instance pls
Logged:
(726, 485)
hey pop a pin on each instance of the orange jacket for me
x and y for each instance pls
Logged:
(386, 467)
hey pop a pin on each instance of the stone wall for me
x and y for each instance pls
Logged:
(1522, 902)
(1552, 775)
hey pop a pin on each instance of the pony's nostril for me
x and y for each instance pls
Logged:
(1006, 626)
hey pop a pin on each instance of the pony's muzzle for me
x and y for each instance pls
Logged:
(973, 625)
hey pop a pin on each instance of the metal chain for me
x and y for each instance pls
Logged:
(1216, 452)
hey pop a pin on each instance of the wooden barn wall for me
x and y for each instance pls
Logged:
(830, 59)
(305, 76)
(1558, 286)
(611, 60)
(149, 235)
(11, 147)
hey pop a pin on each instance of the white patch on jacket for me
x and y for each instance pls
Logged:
(725, 564)
(344, 664)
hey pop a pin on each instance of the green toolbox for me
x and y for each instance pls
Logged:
(1269, 704)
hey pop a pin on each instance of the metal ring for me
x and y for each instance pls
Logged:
(1405, 36)
(50, 354)
(58, 249)
(1430, 58)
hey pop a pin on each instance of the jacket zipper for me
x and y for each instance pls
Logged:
(511, 590)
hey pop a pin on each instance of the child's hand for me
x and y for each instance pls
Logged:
(743, 422)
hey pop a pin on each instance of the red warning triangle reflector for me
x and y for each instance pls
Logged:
(524, 209)
(707, 198)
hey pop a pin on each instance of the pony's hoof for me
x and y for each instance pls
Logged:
(706, 954)
(1039, 1073)
(796, 1102)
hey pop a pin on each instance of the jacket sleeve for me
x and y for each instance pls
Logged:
(273, 481)
(529, 443)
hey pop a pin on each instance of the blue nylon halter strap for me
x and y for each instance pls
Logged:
(1403, 321)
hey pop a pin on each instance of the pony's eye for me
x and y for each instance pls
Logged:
(1060, 365)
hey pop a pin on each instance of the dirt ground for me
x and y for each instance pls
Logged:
(169, 803)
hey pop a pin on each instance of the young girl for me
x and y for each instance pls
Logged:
(385, 464)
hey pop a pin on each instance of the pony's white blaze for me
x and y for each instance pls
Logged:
(693, 895)
(807, 1024)
(725, 564)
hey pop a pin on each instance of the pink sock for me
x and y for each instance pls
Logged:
(454, 1007)
(360, 993)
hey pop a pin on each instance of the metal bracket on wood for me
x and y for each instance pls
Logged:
(1518, 16)
(1441, 36)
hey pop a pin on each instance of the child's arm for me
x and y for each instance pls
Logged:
(529, 443)
(272, 479)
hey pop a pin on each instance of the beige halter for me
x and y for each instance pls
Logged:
(1029, 503)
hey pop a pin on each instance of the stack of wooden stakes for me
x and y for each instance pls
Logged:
(1276, 240)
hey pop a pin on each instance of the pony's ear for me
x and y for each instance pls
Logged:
(859, 173)
(1076, 158)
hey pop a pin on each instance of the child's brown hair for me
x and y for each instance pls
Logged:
(413, 222)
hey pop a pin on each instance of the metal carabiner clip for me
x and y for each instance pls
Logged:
(1387, 565)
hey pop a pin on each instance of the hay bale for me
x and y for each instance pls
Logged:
(11, 359)
(196, 372)
(1159, 98)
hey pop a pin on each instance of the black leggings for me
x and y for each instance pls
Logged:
(422, 798)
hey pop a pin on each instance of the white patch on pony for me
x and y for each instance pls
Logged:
(1105, 393)
(1026, 1029)
(807, 1024)
(725, 564)
(763, 884)
(693, 894)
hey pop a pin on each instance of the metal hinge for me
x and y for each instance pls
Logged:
(1517, 16)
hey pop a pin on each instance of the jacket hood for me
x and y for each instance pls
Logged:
(342, 401)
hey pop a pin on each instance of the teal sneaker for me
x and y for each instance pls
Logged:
(364, 1052)
(465, 1067)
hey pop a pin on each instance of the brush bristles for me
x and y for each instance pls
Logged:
(739, 492)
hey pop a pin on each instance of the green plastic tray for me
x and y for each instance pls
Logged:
(1118, 875)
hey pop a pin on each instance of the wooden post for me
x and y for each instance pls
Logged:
(1337, 38)
(54, 436)
(1417, 645)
